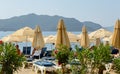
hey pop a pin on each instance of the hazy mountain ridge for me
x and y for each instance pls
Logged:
(110, 28)
(46, 22)
(89, 24)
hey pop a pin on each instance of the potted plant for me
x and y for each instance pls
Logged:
(9, 58)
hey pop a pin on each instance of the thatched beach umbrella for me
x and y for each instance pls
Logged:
(38, 41)
(116, 35)
(62, 37)
(106, 39)
(100, 33)
(26, 31)
(23, 34)
(11, 38)
(98, 41)
(50, 39)
(72, 37)
(84, 38)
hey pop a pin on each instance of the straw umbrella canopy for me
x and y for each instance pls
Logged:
(84, 38)
(110, 38)
(62, 37)
(26, 32)
(106, 39)
(100, 33)
(72, 37)
(12, 38)
(79, 38)
(116, 35)
(38, 41)
(50, 39)
(98, 41)
(23, 34)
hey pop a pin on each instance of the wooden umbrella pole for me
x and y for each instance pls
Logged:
(26, 44)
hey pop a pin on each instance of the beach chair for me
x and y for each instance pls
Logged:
(27, 51)
(29, 59)
(39, 53)
(48, 53)
(43, 52)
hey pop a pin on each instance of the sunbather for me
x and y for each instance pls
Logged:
(18, 50)
(36, 53)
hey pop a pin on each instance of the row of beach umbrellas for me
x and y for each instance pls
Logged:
(63, 37)
(20, 36)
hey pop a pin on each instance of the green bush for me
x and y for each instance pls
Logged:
(9, 58)
(101, 56)
(62, 54)
(95, 58)
(116, 64)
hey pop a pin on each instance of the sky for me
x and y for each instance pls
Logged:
(103, 12)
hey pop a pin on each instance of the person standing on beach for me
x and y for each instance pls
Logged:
(18, 50)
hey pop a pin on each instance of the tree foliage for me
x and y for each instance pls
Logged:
(93, 59)
(9, 58)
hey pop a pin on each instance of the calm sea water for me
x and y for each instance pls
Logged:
(46, 33)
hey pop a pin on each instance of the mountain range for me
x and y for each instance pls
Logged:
(46, 22)
(110, 28)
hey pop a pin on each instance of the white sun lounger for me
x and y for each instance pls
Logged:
(43, 69)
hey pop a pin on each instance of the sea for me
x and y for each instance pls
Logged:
(49, 46)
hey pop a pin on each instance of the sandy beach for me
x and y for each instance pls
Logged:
(30, 71)
(25, 71)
